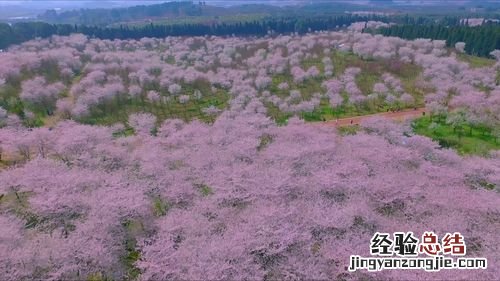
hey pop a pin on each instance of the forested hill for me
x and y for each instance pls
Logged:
(142, 12)
(480, 40)
(105, 16)
(169, 11)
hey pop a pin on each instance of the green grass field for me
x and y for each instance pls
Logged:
(475, 61)
(120, 109)
(348, 130)
(470, 141)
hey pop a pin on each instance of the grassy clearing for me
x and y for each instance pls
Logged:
(160, 206)
(348, 130)
(468, 141)
(476, 62)
(98, 276)
(133, 230)
(327, 113)
(119, 109)
(204, 189)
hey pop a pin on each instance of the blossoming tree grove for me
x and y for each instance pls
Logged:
(190, 158)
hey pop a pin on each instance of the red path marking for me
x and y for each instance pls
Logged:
(399, 116)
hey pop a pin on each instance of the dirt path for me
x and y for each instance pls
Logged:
(398, 116)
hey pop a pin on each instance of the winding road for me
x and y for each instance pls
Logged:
(398, 116)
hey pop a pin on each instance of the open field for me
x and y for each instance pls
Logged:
(467, 140)
(475, 61)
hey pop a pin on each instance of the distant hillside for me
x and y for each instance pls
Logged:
(107, 16)
(207, 11)
(170, 10)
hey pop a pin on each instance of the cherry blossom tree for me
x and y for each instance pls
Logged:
(174, 89)
(262, 82)
(407, 99)
(37, 91)
(460, 47)
(283, 86)
(142, 123)
(183, 98)
(235, 196)
(153, 96)
(495, 54)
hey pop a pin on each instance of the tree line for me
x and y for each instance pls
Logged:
(24, 31)
(480, 40)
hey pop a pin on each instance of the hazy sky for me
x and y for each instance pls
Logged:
(124, 2)
(39, 4)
